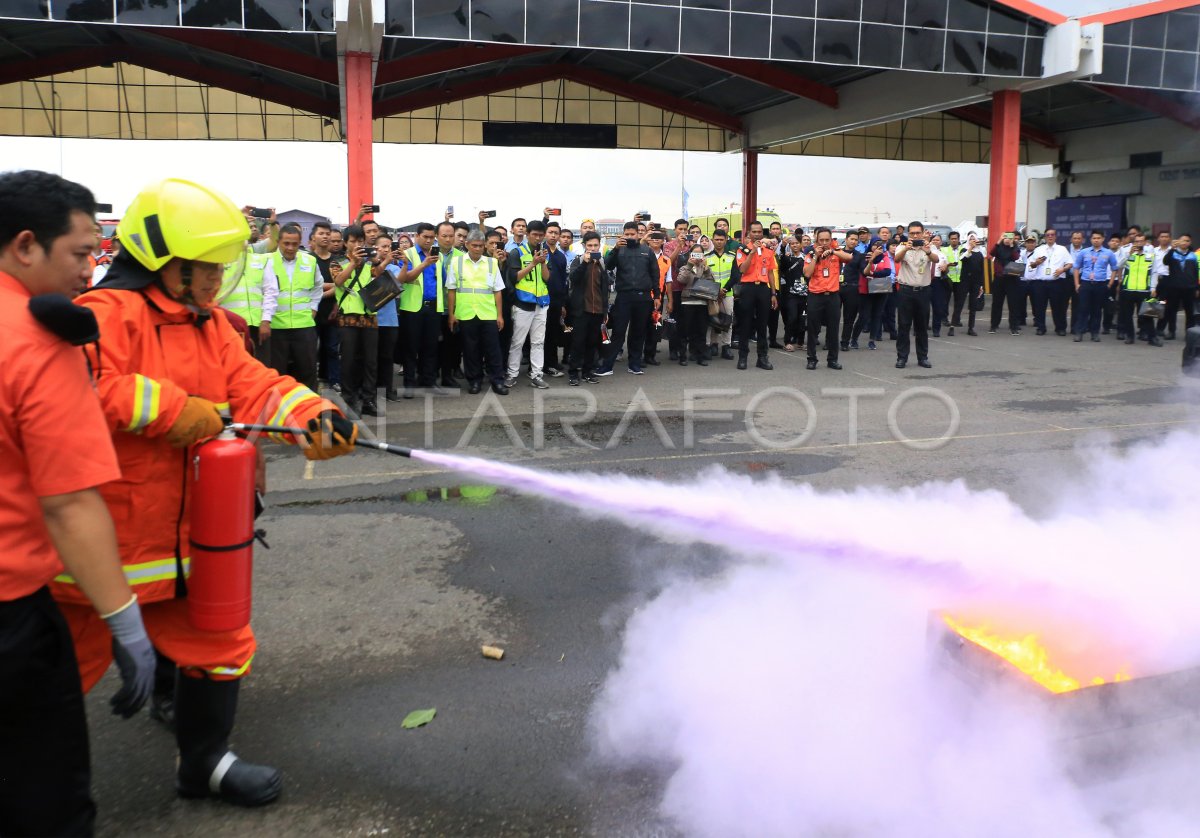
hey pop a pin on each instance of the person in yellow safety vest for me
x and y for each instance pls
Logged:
(421, 307)
(527, 275)
(723, 265)
(1138, 285)
(246, 301)
(358, 326)
(292, 289)
(474, 288)
(953, 273)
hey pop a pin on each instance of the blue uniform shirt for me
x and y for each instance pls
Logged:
(429, 276)
(387, 316)
(1095, 264)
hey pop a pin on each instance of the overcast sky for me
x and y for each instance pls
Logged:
(414, 183)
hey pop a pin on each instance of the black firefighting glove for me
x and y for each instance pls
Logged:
(330, 435)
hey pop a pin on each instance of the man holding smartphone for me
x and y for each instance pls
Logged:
(590, 285)
(915, 261)
(527, 278)
(756, 297)
(636, 277)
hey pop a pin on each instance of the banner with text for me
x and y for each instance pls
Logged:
(1105, 213)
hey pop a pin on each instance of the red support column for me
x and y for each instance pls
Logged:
(358, 131)
(1006, 156)
(749, 187)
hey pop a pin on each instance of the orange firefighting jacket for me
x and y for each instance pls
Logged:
(154, 353)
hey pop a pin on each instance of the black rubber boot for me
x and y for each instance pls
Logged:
(204, 714)
(162, 700)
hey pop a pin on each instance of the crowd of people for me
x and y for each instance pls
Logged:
(456, 305)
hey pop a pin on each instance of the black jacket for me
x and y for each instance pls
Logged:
(634, 268)
(579, 279)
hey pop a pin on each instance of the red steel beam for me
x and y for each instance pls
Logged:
(360, 180)
(1137, 11)
(448, 60)
(550, 72)
(243, 46)
(1152, 102)
(749, 188)
(54, 63)
(772, 76)
(978, 115)
(236, 82)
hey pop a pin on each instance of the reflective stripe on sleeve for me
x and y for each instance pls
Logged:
(228, 670)
(147, 394)
(294, 398)
(143, 573)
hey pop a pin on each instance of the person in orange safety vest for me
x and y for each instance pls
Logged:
(169, 363)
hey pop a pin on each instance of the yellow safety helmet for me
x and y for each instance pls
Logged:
(179, 219)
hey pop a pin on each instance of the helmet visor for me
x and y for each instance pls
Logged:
(231, 279)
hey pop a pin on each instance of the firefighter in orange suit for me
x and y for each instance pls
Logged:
(169, 362)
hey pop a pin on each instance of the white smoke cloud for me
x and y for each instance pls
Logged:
(793, 694)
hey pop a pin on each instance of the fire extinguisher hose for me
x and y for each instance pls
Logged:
(399, 450)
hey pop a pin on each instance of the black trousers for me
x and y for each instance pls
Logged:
(870, 316)
(385, 373)
(1177, 299)
(1068, 298)
(329, 352)
(959, 290)
(693, 330)
(449, 350)
(851, 301)
(45, 774)
(360, 355)
(585, 343)
(262, 351)
(1129, 302)
(1048, 291)
(481, 350)
(912, 314)
(939, 300)
(554, 336)
(420, 332)
(1007, 289)
(824, 311)
(890, 304)
(678, 344)
(794, 306)
(630, 314)
(752, 310)
(652, 334)
(1090, 306)
(294, 353)
(773, 324)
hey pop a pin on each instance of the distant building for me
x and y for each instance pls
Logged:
(304, 220)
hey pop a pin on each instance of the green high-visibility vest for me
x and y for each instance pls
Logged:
(414, 292)
(953, 271)
(721, 267)
(1137, 273)
(532, 289)
(349, 302)
(246, 298)
(293, 306)
(473, 295)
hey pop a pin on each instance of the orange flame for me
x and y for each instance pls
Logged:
(1027, 655)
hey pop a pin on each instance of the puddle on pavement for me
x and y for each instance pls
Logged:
(476, 494)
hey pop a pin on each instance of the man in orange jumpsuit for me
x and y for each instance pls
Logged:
(169, 362)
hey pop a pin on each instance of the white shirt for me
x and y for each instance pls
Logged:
(942, 262)
(495, 279)
(1025, 258)
(271, 287)
(1056, 256)
(1159, 268)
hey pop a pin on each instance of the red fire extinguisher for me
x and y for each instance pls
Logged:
(222, 534)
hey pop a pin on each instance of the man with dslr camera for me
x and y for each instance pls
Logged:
(636, 279)
(357, 327)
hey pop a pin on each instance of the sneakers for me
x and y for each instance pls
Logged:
(602, 372)
(590, 378)
(573, 381)
(635, 371)
(870, 344)
(554, 372)
(833, 365)
(854, 344)
(741, 364)
(499, 389)
(510, 382)
(539, 383)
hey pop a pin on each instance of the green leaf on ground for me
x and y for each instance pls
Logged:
(418, 718)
